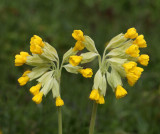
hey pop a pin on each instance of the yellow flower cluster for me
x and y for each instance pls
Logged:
(95, 96)
(21, 59)
(59, 102)
(35, 48)
(37, 95)
(133, 72)
(34, 90)
(75, 60)
(36, 45)
(139, 42)
(78, 35)
(42, 56)
(121, 61)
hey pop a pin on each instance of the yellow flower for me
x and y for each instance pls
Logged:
(133, 51)
(36, 45)
(21, 59)
(101, 100)
(87, 73)
(143, 59)
(129, 65)
(78, 35)
(132, 78)
(120, 92)
(131, 33)
(133, 72)
(59, 102)
(36, 49)
(137, 71)
(134, 75)
(94, 95)
(35, 89)
(24, 79)
(78, 46)
(140, 41)
(75, 60)
(36, 40)
(38, 98)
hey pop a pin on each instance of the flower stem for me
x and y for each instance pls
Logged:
(59, 121)
(93, 118)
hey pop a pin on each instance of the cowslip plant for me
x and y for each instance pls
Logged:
(47, 70)
(119, 61)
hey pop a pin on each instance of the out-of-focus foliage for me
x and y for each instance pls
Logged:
(54, 21)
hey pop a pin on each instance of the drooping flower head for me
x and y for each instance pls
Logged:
(45, 61)
(119, 61)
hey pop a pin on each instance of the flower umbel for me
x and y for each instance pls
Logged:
(119, 62)
(45, 60)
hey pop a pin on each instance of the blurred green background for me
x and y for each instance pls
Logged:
(54, 21)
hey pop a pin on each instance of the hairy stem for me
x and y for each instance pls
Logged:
(59, 121)
(93, 118)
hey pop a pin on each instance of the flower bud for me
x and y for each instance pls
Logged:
(120, 92)
(59, 102)
(87, 73)
(75, 60)
(143, 59)
(131, 33)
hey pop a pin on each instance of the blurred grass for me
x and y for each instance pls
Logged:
(54, 21)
